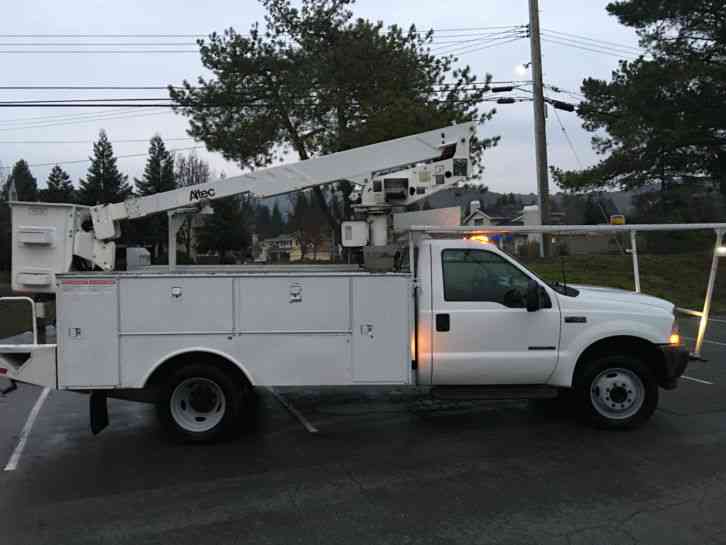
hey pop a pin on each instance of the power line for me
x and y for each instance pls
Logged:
(93, 51)
(88, 105)
(159, 102)
(587, 38)
(591, 50)
(445, 45)
(583, 43)
(475, 38)
(170, 105)
(35, 119)
(444, 88)
(60, 123)
(128, 156)
(102, 35)
(84, 87)
(115, 141)
(567, 137)
(573, 94)
(165, 87)
(94, 44)
(204, 35)
(481, 48)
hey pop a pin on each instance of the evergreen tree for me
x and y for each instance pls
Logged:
(228, 229)
(333, 81)
(307, 224)
(158, 176)
(159, 169)
(660, 119)
(60, 188)
(263, 221)
(592, 213)
(277, 223)
(104, 182)
(26, 186)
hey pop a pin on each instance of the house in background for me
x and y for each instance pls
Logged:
(286, 248)
(477, 217)
(280, 249)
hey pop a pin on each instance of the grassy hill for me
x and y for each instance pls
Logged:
(679, 278)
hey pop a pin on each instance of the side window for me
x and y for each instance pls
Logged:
(479, 275)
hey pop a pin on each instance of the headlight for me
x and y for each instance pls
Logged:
(675, 338)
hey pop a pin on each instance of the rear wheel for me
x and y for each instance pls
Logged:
(202, 403)
(617, 392)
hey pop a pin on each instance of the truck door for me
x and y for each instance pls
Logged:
(482, 332)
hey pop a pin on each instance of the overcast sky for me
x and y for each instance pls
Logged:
(509, 167)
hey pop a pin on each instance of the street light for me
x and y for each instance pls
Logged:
(522, 69)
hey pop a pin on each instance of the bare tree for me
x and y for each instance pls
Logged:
(189, 170)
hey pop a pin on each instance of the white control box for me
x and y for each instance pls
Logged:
(355, 234)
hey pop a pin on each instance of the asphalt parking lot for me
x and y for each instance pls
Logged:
(372, 466)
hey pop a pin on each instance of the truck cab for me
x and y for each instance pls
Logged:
(485, 319)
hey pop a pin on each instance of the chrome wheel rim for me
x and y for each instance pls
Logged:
(197, 404)
(617, 393)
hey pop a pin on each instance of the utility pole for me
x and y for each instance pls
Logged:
(540, 134)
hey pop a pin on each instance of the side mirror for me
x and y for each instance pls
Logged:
(533, 296)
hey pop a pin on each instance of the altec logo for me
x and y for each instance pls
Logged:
(199, 194)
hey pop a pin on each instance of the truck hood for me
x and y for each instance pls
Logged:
(596, 294)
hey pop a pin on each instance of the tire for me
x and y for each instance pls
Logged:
(616, 392)
(202, 403)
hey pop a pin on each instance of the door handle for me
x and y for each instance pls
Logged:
(443, 322)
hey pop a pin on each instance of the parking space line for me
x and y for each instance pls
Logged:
(17, 453)
(293, 411)
(706, 341)
(701, 381)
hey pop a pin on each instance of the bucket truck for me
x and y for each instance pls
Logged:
(456, 313)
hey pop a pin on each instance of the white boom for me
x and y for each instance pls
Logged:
(47, 238)
(358, 164)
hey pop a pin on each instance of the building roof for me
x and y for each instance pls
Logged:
(476, 213)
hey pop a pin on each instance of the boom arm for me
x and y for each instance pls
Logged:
(355, 164)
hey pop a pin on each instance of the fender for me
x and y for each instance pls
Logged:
(569, 354)
(197, 349)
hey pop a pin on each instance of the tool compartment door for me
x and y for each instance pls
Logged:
(381, 335)
(88, 333)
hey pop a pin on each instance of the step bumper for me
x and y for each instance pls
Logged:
(30, 363)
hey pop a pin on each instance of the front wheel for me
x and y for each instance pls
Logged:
(203, 403)
(617, 392)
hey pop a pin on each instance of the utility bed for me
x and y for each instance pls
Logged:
(280, 328)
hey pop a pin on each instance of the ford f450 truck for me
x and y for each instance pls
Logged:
(455, 314)
(470, 319)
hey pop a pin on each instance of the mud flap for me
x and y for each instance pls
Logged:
(13, 386)
(99, 412)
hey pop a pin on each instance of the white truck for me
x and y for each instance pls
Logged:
(456, 314)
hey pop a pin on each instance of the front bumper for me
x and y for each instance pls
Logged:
(676, 360)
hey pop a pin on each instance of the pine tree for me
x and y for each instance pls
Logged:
(159, 169)
(228, 229)
(26, 186)
(60, 188)
(277, 223)
(158, 177)
(104, 183)
(263, 221)
(592, 214)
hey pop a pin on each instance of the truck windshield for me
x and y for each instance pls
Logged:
(558, 286)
